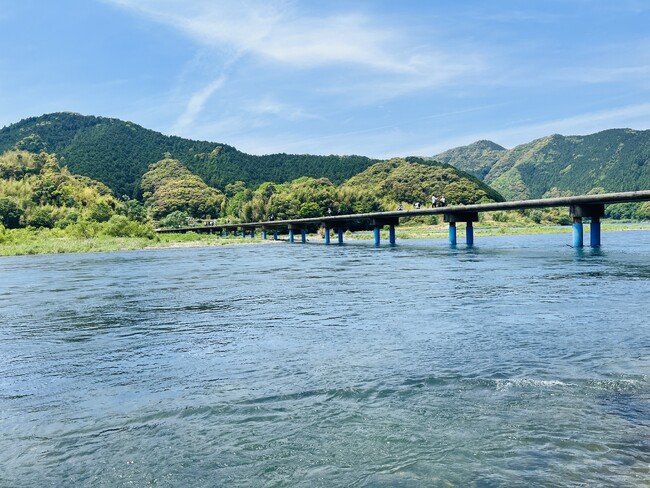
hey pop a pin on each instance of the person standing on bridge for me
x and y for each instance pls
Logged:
(434, 201)
(443, 202)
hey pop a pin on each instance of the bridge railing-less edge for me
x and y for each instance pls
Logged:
(590, 206)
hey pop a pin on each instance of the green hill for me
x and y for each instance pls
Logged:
(118, 153)
(611, 160)
(411, 181)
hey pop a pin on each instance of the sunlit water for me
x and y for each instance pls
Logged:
(520, 362)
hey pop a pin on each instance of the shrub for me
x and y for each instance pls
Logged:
(100, 211)
(175, 219)
(536, 216)
(121, 226)
(40, 218)
(84, 229)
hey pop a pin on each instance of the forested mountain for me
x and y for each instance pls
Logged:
(477, 158)
(608, 161)
(411, 181)
(118, 153)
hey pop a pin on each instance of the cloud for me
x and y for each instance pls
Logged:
(631, 116)
(269, 106)
(196, 103)
(605, 75)
(278, 31)
(277, 50)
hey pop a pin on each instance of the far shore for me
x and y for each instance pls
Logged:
(39, 244)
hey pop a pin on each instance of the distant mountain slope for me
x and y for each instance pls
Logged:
(611, 160)
(477, 158)
(118, 153)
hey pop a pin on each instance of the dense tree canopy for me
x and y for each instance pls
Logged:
(170, 187)
(399, 180)
(36, 192)
(119, 153)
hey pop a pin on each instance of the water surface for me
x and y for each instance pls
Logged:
(519, 362)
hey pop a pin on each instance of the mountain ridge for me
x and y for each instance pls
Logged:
(118, 153)
(98, 147)
(609, 160)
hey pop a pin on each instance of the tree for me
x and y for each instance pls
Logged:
(175, 220)
(10, 213)
(100, 211)
(40, 218)
(310, 209)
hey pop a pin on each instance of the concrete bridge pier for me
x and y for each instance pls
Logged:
(594, 212)
(275, 235)
(469, 234)
(339, 231)
(264, 234)
(303, 235)
(290, 235)
(327, 236)
(577, 232)
(378, 224)
(377, 235)
(452, 233)
(594, 232)
(469, 218)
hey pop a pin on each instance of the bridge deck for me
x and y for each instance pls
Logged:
(395, 215)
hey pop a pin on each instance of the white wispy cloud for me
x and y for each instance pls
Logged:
(631, 116)
(270, 106)
(347, 55)
(279, 31)
(196, 103)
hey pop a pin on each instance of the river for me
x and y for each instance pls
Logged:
(519, 362)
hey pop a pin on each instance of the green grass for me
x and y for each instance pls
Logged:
(24, 243)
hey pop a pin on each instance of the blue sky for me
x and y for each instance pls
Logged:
(372, 77)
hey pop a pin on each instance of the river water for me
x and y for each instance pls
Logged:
(519, 362)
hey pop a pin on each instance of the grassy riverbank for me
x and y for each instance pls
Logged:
(24, 242)
(39, 242)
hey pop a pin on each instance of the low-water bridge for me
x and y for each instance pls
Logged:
(583, 206)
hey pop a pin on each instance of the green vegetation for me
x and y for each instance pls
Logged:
(169, 187)
(411, 181)
(37, 195)
(61, 173)
(119, 153)
(608, 161)
(45, 208)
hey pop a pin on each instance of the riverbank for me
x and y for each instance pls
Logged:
(39, 242)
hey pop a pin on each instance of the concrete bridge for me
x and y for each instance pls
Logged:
(583, 206)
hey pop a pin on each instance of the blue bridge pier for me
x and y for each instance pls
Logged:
(469, 218)
(293, 228)
(378, 224)
(593, 212)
